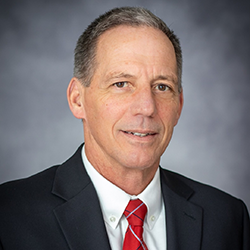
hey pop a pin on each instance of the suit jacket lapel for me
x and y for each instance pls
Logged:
(183, 218)
(80, 217)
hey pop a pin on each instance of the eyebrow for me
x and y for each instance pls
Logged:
(115, 75)
(171, 78)
(119, 75)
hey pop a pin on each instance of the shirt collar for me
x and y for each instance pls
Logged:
(114, 200)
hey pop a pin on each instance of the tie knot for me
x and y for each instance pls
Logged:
(135, 212)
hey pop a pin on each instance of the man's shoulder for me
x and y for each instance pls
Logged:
(28, 188)
(41, 182)
(46, 186)
(219, 213)
(201, 194)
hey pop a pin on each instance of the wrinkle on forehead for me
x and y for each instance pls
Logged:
(121, 75)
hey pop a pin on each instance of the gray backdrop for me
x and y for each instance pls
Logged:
(211, 142)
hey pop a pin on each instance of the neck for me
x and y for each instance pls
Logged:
(131, 180)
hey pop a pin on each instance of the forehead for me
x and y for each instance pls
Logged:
(124, 35)
(125, 45)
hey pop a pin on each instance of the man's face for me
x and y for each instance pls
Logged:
(132, 104)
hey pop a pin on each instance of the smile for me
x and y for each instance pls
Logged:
(138, 134)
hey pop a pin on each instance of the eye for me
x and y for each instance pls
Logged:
(162, 87)
(121, 84)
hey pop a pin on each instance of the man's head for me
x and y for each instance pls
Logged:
(85, 51)
(132, 102)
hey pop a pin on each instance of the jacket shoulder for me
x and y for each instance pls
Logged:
(201, 194)
(37, 185)
(27, 189)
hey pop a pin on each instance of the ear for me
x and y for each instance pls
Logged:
(181, 100)
(75, 98)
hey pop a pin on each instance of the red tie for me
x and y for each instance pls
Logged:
(135, 213)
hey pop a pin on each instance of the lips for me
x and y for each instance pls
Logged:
(138, 133)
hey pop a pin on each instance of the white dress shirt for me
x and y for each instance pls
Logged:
(114, 200)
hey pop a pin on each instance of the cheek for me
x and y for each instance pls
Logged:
(102, 116)
(92, 110)
(169, 114)
(114, 108)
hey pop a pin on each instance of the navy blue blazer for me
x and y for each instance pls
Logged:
(59, 209)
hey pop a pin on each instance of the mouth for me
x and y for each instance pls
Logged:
(139, 134)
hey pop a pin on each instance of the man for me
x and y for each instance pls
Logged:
(127, 91)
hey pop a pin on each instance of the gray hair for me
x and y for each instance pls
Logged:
(85, 51)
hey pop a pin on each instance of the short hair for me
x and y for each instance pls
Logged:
(85, 51)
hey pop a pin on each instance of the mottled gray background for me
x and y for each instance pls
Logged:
(211, 142)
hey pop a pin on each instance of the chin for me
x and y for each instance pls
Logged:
(141, 162)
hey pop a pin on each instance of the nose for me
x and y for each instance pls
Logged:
(144, 102)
